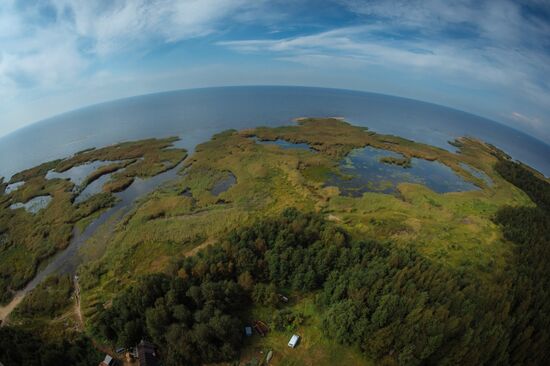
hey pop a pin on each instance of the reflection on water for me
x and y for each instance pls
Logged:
(34, 204)
(283, 144)
(93, 188)
(477, 173)
(78, 173)
(363, 172)
(223, 184)
(13, 187)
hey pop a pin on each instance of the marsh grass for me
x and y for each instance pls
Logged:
(30, 239)
(453, 228)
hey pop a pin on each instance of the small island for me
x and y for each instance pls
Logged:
(402, 162)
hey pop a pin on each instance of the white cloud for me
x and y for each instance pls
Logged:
(52, 46)
(124, 24)
(529, 121)
(49, 52)
(361, 44)
(490, 46)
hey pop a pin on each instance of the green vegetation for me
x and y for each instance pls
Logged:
(49, 299)
(302, 317)
(455, 230)
(392, 303)
(416, 278)
(529, 229)
(28, 240)
(196, 312)
(20, 347)
(402, 162)
(190, 318)
(522, 177)
(42, 329)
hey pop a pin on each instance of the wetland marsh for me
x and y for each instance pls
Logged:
(439, 203)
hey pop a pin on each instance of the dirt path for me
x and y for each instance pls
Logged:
(6, 310)
(196, 249)
(77, 308)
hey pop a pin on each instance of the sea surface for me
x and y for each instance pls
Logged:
(196, 114)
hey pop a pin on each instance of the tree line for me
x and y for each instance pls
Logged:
(22, 347)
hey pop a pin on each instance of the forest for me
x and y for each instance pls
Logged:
(21, 347)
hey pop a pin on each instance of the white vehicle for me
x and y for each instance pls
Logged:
(294, 341)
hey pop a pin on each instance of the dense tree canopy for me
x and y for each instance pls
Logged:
(19, 347)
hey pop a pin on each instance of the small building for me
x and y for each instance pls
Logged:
(147, 354)
(261, 328)
(248, 331)
(108, 361)
(283, 298)
(294, 341)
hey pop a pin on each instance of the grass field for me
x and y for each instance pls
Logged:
(314, 348)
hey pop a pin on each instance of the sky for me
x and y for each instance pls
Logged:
(490, 58)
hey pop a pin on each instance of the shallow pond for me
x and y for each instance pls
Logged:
(283, 144)
(78, 173)
(477, 173)
(363, 172)
(13, 187)
(33, 205)
(93, 188)
(223, 184)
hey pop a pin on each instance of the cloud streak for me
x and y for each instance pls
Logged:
(494, 45)
(55, 42)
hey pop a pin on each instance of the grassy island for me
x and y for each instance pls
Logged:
(402, 162)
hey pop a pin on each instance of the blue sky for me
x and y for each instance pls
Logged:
(490, 58)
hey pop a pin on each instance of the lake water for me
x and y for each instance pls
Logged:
(224, 184)
(362, 171)
(93, 188)
(78, 173)
(477, 173)
(33, 205)
(284, 144)
(197, 114)
(13, 187)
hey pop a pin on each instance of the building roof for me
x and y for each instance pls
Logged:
(146, 354)
(108, 361)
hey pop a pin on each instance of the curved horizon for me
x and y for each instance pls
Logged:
(205, 111)
(45, 120)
